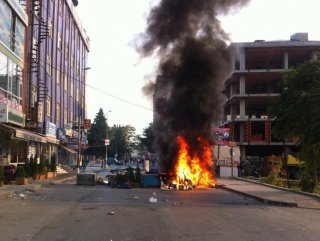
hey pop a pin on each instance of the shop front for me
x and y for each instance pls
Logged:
(17, 145)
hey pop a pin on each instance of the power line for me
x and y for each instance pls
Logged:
(97, 89)
(118, 98)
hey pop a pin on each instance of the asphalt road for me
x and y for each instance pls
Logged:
(69, 212)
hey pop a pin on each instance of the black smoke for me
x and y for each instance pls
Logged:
(194, 62)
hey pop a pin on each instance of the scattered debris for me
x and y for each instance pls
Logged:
(153, 200)
(100, 181)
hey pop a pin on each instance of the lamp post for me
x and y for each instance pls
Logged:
(80, 120)
(107, 137)
(79, 140)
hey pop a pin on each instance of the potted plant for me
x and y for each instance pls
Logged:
(51, 167)
(1, 176)
(34, 170)
(42, 168)
(53, 164)
(20, 175)
(28, 171)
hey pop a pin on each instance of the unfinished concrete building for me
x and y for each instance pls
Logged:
(252, 86)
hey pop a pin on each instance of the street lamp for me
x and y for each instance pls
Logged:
(80, 120)
(107, 137)
(79, 138)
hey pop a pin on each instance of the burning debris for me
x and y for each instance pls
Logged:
(194, 62)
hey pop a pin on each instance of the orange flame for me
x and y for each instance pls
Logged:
(194, 170)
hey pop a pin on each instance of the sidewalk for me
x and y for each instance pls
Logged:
(9, 190)
(270, 194)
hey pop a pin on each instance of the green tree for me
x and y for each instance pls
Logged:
(97, 135)
(148, 138)
(122, 141)
(297, 112)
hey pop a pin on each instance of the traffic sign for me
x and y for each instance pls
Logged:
(87, 123)
(106, 142)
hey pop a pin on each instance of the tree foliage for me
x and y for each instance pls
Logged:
(122, 141)
(297, 110)
(148, 138)
(97, 135)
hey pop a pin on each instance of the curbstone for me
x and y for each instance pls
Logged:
(260, 199)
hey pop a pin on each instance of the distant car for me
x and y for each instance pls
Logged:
(114, 161)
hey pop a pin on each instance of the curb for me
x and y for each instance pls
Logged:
(10, 191)
(260, 199)
(315, 196)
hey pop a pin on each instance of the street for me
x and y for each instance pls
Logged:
(71, 212)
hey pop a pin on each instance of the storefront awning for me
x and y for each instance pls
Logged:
(24, 134)
(68, 149)
(52, 140)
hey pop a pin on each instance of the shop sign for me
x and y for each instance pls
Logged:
(11, 115)
(13, 104)
(39, 111)
(61, 135)
(68, 129)
(221, 135)
(50, 129)
(87, 123)
(73, 141)
(29, 136)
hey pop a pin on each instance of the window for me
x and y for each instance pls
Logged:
(66, 51)
(48, 106)
(35, 50)
(58, 75)
(60, 7)
(65, 116)
(77, 94)
(58, 112)
(49, 65)
(71, 116)
(33, 96)
(71, 88)
(67, 20)
(72, 62)
(59, 41)
(50, 26)
(65, 82)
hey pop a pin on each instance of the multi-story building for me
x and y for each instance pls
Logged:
(13, 24)
(253, 85)
(56, 53)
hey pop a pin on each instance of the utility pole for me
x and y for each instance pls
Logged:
(79, 141)
(106, 142)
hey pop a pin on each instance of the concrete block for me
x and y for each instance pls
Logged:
(86, 179)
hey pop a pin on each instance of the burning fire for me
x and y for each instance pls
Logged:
(194, 171)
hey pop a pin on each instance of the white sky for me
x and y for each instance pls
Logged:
(117, 73)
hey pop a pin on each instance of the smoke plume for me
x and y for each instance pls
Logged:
(194, 62)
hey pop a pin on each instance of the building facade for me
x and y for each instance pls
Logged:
(53, 101)
(253, 85)
(13, 25)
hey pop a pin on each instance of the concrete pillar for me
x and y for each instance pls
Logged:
(242, 59)
(242, 109)
(242, 85)
(286, 60)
